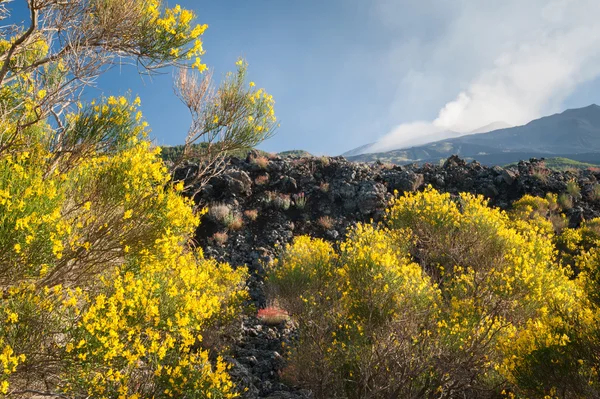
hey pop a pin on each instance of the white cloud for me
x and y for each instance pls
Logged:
(509, 60)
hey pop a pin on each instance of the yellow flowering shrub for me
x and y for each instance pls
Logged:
(229, 120)
(345, 304)
(101, 296)
(171, 32)
(543, 211)
(446, 298)
(561, 359)
(101, 292)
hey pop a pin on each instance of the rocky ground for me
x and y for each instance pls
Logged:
(265, 203)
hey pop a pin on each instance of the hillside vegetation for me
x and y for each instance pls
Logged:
(562, 164)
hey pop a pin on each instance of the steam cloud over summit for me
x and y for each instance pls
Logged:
(509, 61)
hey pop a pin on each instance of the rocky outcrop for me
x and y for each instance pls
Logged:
(322, 197)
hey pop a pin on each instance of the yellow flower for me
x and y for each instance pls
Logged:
(11, 317)
(199, 65)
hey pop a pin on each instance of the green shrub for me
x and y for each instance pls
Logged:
(596, 192)
(565, 201)
(282, 201)
(573, 189)
(300, 201)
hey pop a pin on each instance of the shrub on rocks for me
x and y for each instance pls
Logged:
(100, 294)
(447, 298)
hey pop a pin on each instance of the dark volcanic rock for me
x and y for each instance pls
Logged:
(403, 180)
(287, 184)
(233, 183)
(371, 197)
(453, 162)
(509, 176)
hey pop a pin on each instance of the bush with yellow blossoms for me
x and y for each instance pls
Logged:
(568, 369)
(101, 293)
(447, 298)
(101, 296)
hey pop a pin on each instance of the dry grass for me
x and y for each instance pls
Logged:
(269, 196)
(220, 238)
(222, 213)
(300, 201)
(282, 201)
(596, 192)
(219, 212)
(235, 222)
(326, 222)
(261, 162)
(272, 315)
(251, 214)
(573, 189)
(541, 173)
(261, 180)
(565, 201)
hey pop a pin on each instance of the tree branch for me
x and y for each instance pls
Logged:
(25, 36)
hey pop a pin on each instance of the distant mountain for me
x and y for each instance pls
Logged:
(358, 150)
(411, 142)
(424, 139)
(574, 134)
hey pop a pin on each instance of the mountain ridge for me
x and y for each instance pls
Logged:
(567, 134)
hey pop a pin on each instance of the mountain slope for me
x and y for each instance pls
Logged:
(358, 150)
(572, 132)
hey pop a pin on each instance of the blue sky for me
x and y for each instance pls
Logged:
(348, 72)
(305, 53)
